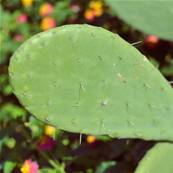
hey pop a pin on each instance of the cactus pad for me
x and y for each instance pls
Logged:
(82, 78)
(159, 159)
(151, 17)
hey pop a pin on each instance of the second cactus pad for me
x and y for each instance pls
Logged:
(85, 79)
(159, 159)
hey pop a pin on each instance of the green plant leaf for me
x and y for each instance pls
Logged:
(10, 111)
(62, 11)
(104, 166)
(59, 169)
(8, 166)
(159, 159)
(85, 79)
(10, 142)
(152, 17)
(48, 170)
(36, 127)
(168, 70)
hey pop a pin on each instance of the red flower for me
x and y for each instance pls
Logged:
(46, 143)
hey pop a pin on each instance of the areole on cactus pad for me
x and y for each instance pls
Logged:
(85, 79)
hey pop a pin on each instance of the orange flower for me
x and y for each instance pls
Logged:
(47, 23)
(151, 41)
(29, 167)
(89, 15)
(45, 9)
(49, 130)
(91, 139)
(27, 3)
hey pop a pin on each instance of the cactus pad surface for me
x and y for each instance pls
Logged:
(85, 79)
(159, 159)
(152, 17)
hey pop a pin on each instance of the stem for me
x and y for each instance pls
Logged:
(59, 167)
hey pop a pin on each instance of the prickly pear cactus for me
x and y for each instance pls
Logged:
(85, 79)
(152, 17)
(159, 159)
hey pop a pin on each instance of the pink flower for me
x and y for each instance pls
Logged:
(75, 8)
(18, 37)
(46, 143)
(29, 167)
(23, 18)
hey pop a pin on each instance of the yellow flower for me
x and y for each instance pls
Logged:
(96, 5)
(25, 168)
(89, 14)
(47, 23)
(49, 130)
(27, 3)
(98, 12)
(95, 10)
(91, 139)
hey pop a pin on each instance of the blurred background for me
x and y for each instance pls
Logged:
(27, 145)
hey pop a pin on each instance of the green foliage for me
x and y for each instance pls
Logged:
(104, 166)
(11, 27)
(5, 87)
(10, 111)
(8, 142)
(168, 70)
(35, 127)
(61, 11)
(7, 25)
(48, 170)
(158, 159)
(8, 166)
(111, 90)
(152, 17)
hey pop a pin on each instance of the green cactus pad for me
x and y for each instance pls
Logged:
(152, 17)
(85, 79)
(159, 159)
